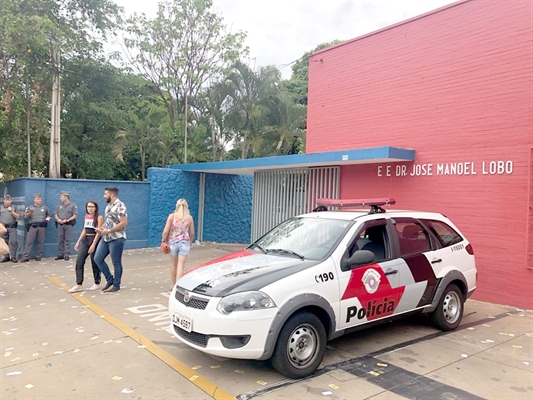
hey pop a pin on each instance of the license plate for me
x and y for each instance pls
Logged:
(183, 322)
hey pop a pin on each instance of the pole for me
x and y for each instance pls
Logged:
(185, 158)
(28, 124)
(55, 143)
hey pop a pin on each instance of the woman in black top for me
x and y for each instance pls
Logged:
(86, 245)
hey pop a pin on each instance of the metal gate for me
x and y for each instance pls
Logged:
(282, 194)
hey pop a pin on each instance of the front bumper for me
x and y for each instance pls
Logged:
(241, 334)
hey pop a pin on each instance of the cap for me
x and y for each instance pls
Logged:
(7, 197)
(64, 193)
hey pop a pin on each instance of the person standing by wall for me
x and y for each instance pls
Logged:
(38, 217)
(113, 234)
(65, 215)
(86, 245)
(178, 234)
(8, 217)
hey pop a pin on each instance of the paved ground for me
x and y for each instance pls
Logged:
(110, 346)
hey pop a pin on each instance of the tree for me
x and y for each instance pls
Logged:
(144, 133)
(182, 48)
(99, 102)
(249, 98)
(28, 30)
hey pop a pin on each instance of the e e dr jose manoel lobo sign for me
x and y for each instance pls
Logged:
(458, 168)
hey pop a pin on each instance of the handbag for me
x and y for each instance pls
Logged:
(4, 248)
(3, 229)
(165, 248)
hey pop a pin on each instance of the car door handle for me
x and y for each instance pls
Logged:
(391, 271)
(436, 260)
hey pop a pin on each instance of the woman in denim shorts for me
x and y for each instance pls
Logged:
(178, 234)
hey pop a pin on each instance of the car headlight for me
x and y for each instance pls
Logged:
(245, 301)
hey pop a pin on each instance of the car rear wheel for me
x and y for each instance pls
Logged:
(449, 311)
(300, 347)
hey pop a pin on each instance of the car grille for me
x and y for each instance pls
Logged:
(198, 339)
(193, 302)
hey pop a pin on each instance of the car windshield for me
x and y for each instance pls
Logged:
(309, 238)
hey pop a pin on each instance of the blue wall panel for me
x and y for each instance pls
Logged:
(228, 208)
(136, 196)
(169, 185)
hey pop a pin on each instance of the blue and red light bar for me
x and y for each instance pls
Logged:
(356, 202)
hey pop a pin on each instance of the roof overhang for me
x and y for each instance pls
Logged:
(385, 154)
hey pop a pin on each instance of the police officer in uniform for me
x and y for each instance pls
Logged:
(9, 216)
(38, 216)
(65, 214)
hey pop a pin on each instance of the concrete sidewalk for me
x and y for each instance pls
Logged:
(93, 345)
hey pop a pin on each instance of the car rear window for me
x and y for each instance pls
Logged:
(444, 232)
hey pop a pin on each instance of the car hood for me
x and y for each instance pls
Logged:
(240, 272)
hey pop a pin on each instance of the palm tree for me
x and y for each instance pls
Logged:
(289, 125)
(248, 96)
(145, 133)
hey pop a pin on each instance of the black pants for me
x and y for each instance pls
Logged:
(83, 252)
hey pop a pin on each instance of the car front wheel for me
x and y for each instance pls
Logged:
(449, 311)
(300, 347)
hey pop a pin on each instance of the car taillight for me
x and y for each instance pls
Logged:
(470, 249)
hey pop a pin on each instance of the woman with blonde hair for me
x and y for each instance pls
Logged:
(178, 234)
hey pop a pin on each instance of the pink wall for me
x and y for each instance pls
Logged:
(456, 85)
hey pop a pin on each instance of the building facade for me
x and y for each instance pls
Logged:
(455, 85)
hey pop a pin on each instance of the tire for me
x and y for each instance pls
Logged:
(300, 347)
(449, 312)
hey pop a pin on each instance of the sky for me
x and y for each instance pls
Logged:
(280, 32)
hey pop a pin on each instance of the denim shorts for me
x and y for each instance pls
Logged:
(181, 248)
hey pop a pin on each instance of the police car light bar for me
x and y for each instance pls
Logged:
(356, 202)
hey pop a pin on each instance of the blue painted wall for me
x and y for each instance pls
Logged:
(136, 196)
(169, 185)
(227, 207)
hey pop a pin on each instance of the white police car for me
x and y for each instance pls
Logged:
(318, 276)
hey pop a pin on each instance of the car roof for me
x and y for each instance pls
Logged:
(353, 214)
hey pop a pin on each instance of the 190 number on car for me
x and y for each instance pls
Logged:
(324, 277)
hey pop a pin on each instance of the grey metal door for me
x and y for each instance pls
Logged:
(282, 194)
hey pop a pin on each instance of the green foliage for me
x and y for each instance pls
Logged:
(182, 48)
(185, 78)
(28, 29)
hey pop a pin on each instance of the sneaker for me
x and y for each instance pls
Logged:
(37, 258)
(112, 289)
(96, 286)
(107, 286)
(67, 258)
(14, 260)
(6, 259)
(59, 258)
(25, 260)
(74, 289)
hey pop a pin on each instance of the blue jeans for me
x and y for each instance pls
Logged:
(115, 248)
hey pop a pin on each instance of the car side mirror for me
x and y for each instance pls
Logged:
(360, 257)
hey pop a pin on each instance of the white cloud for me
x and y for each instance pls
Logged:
(280, 32)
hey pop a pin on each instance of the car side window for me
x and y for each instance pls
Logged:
(444, 232)
(373, 237)
(412, 237)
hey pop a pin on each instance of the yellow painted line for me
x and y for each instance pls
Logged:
(192, 376)
(129, 269)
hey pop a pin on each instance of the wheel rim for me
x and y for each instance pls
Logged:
(302, 346)
(451, 307)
